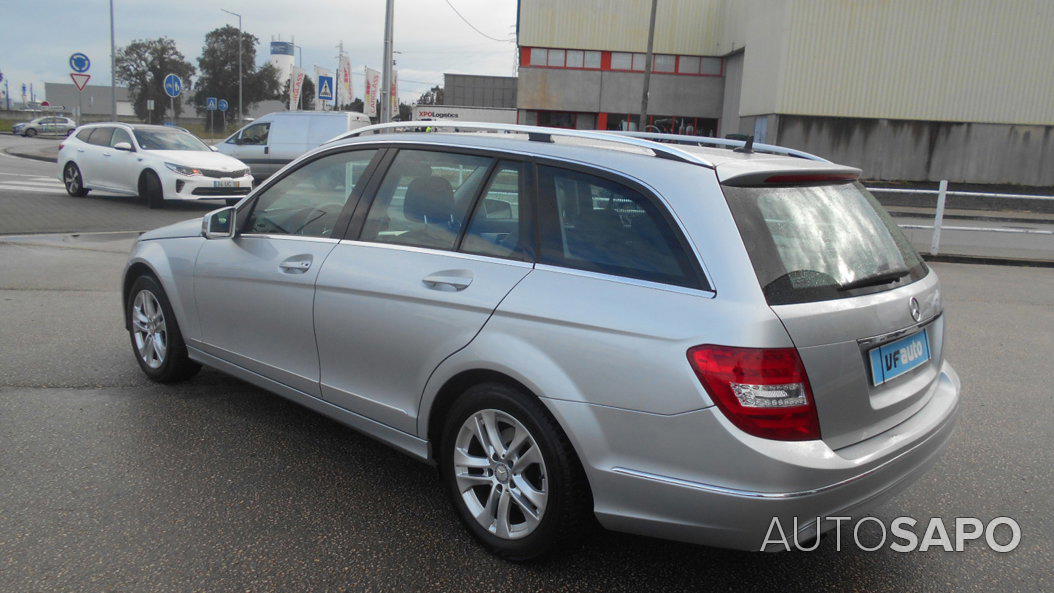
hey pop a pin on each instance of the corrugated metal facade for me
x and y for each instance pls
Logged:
(947, 60)
(944, 60)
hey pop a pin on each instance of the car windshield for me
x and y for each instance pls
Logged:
(168, 140)
(821, 242)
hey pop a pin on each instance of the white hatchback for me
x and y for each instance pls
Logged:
(156, 163)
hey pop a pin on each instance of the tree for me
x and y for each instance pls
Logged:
(143, 65)
(219, 72)
(433, 96)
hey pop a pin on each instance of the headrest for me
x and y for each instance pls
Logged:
(430, 197)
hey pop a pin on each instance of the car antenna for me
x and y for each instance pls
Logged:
(748, 146)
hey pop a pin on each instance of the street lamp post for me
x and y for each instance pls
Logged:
(113, 69)
(240, 112)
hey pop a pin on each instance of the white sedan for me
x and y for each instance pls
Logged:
(156, 163)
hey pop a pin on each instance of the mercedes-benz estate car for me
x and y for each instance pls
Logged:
(677, 340)
(155, 163)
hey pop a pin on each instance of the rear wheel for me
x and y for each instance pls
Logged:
(150, 190)
(156, 340)
(73, 180)
(512, 474)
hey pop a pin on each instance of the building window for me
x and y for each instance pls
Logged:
(575, 58)
(664, 63)
(539, 56)
(556, 58)
(711, 67)
(621, 61)
(592, 59)
(640, 62)
(688, 65)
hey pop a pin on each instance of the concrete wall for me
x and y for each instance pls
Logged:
(729, 123)
(619, 92)
(910, 150)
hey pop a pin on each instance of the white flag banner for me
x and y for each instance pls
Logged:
(324, 88)
(395, 95)
(343, 81)
(373, 90)
(296, 86)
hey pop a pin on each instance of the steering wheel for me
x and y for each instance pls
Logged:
(317, 213)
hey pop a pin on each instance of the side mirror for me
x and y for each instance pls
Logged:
(219, 224)
(123, 146)
(213, 148)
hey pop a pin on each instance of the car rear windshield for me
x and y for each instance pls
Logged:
(168, 140)
(821, 242)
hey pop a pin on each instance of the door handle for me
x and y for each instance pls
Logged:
(267, 150)
(295, 265)
(448, 281)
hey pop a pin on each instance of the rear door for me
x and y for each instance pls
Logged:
(90, 157)
(858, 302)
(430, 265)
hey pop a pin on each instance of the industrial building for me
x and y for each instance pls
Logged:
(94, 100)
(917, 90)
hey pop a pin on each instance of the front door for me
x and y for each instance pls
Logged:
(250, 146)
(445, 239)
(255, 292)
(117, 168)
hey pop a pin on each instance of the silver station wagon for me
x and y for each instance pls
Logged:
(682, 337)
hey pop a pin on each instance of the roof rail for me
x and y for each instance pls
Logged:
(721, 142)
(538, 134)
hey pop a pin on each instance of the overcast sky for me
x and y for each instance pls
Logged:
(39, 35)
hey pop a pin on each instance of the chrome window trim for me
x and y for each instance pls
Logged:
(291, 237)
(627, 280)
(662, 199)
(443, 252)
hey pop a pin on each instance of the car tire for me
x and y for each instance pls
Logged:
(156, 340)
(547, 504)
(29, 133)
(150, 190)
(73, 180)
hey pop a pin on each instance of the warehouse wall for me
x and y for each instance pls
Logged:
(927, 150)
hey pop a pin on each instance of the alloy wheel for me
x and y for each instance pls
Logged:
(72, 177)
(500, 473)
(149, 330)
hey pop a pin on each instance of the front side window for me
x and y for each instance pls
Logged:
(168, 140)
(591, 223)
(499, 226)
(308, 201)
(424, 198)
(255, 135)
(821, 242)
(120, 135)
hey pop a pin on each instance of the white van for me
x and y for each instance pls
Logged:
(270, 142)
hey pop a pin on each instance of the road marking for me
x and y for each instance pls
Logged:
(28, 188)
(43, 182)
(23, 174)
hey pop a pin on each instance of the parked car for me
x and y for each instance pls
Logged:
(45, 125)
(272, 141)
(680, 341)
(156, 163)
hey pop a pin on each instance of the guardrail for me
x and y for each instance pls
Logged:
(938, 217)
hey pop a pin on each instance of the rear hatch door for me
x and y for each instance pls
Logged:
(858, 302)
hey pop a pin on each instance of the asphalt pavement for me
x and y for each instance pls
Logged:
(111, 483)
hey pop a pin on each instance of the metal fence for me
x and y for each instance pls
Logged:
(938, 217)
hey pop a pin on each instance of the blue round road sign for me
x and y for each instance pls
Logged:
(173, 85)
(79, 62)
(223, 105)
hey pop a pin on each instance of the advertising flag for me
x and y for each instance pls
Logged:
(296, 85)
(395, 95)
(343, 81)
(373, 89)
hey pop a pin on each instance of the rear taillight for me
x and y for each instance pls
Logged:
(763, 391)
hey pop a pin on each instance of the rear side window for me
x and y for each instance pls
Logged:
(821, 242)
(425, 198)
(101, 136)
(591, 223)
(499, 223)
(83, 134)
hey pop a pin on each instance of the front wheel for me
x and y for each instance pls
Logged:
(68, 132)
(512, 474)
(156, 340)
(29, 133)
(150, 190)
(73, 180)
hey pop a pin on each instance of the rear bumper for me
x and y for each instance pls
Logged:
(693, 477)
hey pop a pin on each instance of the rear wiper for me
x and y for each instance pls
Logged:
(875, 279)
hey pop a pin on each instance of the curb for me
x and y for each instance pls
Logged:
(980, 218)
(988, 261)
(34, 157)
